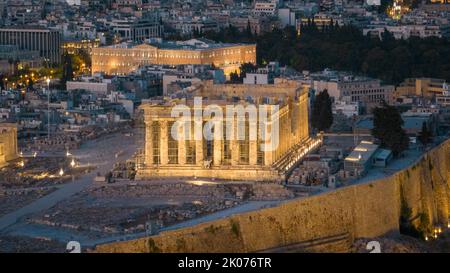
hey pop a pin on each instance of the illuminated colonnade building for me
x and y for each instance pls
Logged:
(223, 157)
(124, 58)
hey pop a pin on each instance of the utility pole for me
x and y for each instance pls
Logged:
(48, 108)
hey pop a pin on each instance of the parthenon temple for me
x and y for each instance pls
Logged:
(223, 157)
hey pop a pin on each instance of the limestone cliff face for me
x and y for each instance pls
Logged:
(418, 196)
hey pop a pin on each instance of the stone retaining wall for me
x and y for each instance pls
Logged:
(363, 211)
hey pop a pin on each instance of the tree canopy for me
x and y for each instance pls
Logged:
(67, 74)
(245, 68)
(387, 129)
(425, 134)
(346, 48)
(322, 115)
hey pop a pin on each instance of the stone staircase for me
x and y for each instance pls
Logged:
(336, 243)
(293, 155)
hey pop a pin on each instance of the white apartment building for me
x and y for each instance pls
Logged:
(405, 31)
(256, 78)
(349, 109)
(265, 8)
(103, 86)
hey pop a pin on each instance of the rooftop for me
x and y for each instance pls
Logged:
(27, 27)
(192, 44)
(383, 154)
(339, 76)
(411, 121)
(363, 152)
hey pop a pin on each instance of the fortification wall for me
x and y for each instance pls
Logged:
(419, 193)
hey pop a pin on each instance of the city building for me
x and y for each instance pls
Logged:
(188, 25)
(443, 100)
(138, 30)
(75, 46)
(405, 31)
(124, 58)
(344, 86)
(256, 78)
(349, 109)
(225, 157)
(12, 58)
(427, 87)
(287, 17)
(187, 76)
(46, 41)
(257, 24)
(265, 8)
(412, 125)
(267, 74)
(321, 20)
(92, 85)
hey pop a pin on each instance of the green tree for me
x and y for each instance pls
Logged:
(387, 129)
(248, 30)
(67, 74)
(30, 84)
(346, 48)
(322, 115)
(234, 77)
(2, 79)
(246, 68)
(425, 135)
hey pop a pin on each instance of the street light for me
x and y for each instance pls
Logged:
(61, 172)
(72, 163)
(48, 108)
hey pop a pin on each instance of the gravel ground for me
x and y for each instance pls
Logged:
(10, 203)
(19, 244)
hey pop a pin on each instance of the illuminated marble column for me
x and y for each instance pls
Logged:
(181, 146)
(197, 134)
(164, 147)
(269, 152)
(199, 152)
(253, 142)
(304, 115)
(268, 158)
(234, 152)
(217, 151)
(234, 146)
(253, 152)
(148, 143)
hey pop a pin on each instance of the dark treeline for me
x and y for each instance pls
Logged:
(346, 48)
